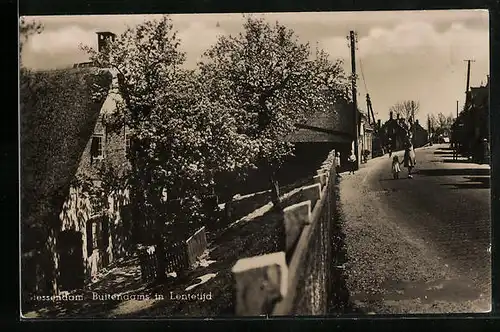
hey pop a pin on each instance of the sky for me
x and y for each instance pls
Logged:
(401, 55)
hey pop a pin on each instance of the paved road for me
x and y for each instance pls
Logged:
(418, 245)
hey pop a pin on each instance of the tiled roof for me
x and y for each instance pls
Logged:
(334, 125)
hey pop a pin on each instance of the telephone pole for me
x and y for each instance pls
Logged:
(457, 109)
(429, 135)
(352, 38)
(413, 124)
(468, 77)
(371, 115)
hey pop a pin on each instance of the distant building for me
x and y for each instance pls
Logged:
(470, 131)
(420, 135)
(365, 137)
(394, 131)
(332, 129)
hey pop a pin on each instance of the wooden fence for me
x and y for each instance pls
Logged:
(196, 245)
(179, 257)
(296, 280)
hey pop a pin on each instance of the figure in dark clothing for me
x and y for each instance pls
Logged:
(337, 164)
(396, 167)
(352, 163)
(409, 157)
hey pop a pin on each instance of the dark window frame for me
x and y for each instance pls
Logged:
(97, 234)
(97, 146)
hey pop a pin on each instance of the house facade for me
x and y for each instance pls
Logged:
(67, 233)
(365, 138)
(94, 234)
(420, 135)
(471, 131)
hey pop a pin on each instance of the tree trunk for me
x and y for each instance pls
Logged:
(160, 257)
(158, 220)
(275, 191)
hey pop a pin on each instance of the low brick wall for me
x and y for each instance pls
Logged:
(296, 280)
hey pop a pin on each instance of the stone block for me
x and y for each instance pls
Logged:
(321, 179)
(322, 171)
(295, 217)
(261, 281)
(312, 193)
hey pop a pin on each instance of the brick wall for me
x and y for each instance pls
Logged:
(297, 279)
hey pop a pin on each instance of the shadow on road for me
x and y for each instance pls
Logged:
(454, 172)
(402, 177)
(473, 182)
(125, 278)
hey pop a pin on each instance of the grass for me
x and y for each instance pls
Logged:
(260, 236)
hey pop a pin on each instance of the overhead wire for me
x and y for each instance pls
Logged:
(364, 81)
(362, 74)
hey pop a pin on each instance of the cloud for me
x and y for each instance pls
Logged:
(61, 41)
(408, 40)
(416, 60)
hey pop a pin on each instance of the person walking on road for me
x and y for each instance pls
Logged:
(352, 163)
(409, 157)
(337, 164)
(396, 167)
(389, 147)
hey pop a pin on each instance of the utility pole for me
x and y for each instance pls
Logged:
(370, 109)
(429, 136)
(413, 124)
(468, 78)
(457, 109)
(352, 38)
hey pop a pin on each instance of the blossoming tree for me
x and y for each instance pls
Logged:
(270, 81)
(180, 139)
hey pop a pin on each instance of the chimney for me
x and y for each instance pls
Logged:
(103, 38)
(379, 123)
(416, 122)
(391, 115)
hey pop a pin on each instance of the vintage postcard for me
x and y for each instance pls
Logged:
(225, 165)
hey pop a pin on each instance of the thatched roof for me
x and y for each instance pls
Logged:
(58, 112)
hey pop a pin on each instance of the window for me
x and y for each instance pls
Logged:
(96, 149)
(92, 230)
(97, 234)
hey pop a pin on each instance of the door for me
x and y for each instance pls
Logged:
(71, 268)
